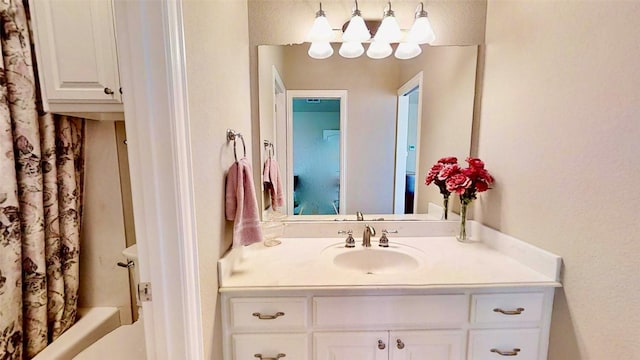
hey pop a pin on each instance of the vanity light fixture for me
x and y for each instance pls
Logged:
(357, 29)
(389, 30)
(379, 50)
(407, 50)
(321, 30)
(320, 35)
(421, 32)
(356, 32)
(351, 49)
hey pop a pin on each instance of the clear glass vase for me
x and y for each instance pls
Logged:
(445, 205)
(462, 235)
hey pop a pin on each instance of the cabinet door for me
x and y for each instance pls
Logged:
(432, 345)
(76, 48)
(265, 346)
(351, 346)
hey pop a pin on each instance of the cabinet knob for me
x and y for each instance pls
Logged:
(517, 311)
(513, 352)
(399, 344)
(381, 345)
(108, 91)
(268, 317)
(280, 355)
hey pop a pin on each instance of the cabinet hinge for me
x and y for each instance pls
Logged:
(144, 291)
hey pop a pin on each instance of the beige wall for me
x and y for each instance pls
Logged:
(560, 125)
(102, 282)
(217, 52)
(448, 89)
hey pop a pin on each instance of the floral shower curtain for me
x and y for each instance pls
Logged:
(41, 172)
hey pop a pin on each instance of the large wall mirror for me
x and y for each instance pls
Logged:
(396, 119)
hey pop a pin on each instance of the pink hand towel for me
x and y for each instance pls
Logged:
(241, 205)
(271, 174)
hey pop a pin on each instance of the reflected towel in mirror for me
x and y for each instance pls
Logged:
(272, 182)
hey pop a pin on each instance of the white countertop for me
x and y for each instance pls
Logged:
(497, 260)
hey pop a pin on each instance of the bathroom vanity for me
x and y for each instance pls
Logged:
(426, 296)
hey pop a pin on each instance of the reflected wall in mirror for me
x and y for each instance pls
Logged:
(374, 88)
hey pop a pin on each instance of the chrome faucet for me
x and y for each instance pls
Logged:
(369, 231)
(359, 216)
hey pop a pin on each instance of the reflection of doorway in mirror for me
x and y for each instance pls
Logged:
(317, 170)
(407, 140)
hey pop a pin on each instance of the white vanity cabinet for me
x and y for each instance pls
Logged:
(486, 300)
(76, 55)
(400, 324)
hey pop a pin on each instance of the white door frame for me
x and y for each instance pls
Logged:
(401, 141)
(280, 129)
(152, 72)
(318, 94)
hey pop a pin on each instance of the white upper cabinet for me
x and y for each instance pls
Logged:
(76, 55)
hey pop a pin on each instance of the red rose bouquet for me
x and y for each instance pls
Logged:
(439, 173)
(470, 181)
(466, 182)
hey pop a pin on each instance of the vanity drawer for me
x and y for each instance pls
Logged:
(520, 344)
(506, 308)
(253, 346)
(268, 313)
(365, 311)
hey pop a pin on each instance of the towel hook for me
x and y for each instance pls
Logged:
(233, 135)
(268, 145)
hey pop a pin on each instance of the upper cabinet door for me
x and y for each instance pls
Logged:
(76, 51)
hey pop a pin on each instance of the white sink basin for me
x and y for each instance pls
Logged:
(375, 260)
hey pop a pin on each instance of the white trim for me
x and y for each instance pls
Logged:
(414, 82)
(401, 154)
(151, 56)
(175, 53)
(279, 140)
(321, 94)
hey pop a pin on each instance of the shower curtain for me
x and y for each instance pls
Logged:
(41, 172)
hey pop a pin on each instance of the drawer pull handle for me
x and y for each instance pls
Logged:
(381, 345)
(399, 344)
(268, 317)
(513, 352)
(108, 91)
(280, 355)
(517, 311)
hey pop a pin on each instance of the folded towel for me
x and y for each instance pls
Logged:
(241, 205)
(272, 182)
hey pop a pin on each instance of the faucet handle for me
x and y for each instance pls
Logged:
(350, 242)
(384, 240)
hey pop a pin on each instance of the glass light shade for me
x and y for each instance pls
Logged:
(407, 51)
(320, 50)
(320, 31)
(389, 30)
(356, 30)
(351, 49)
(421, 32)
(379, 50)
